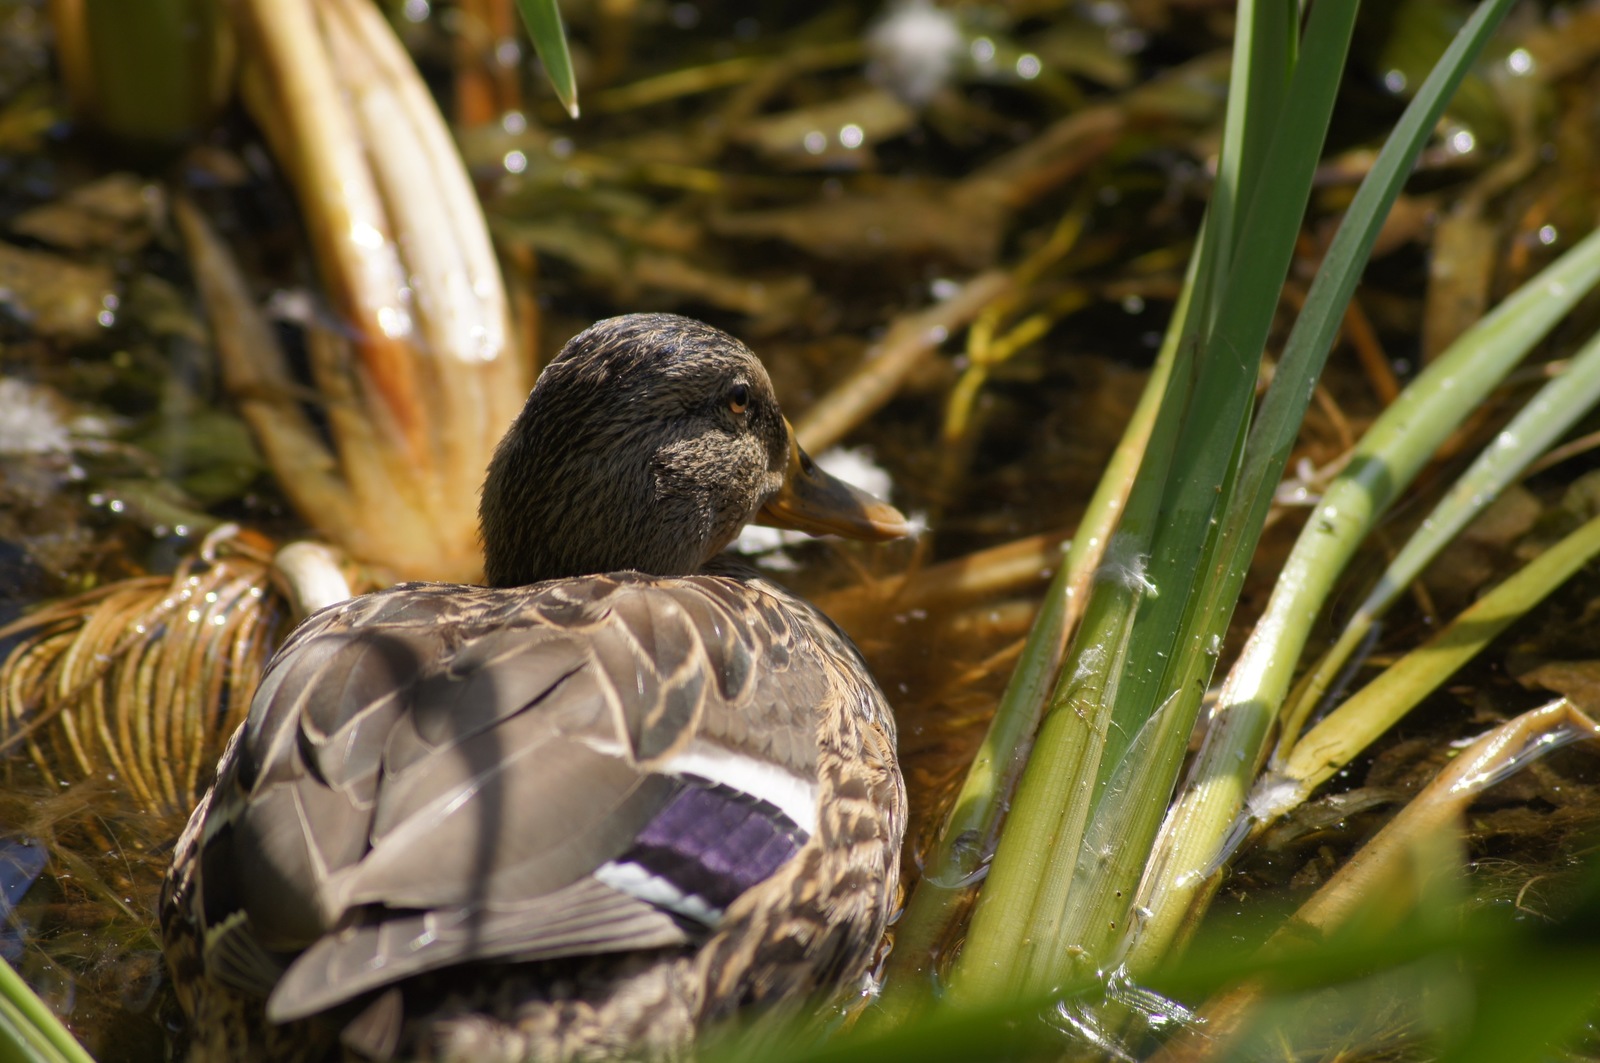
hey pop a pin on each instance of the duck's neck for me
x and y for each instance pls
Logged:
(554, 509)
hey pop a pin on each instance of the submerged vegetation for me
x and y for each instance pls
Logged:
(1284, 317)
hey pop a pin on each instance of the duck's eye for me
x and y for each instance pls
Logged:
(739, 398)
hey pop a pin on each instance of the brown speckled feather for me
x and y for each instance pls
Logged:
(568, 816)
(390, 830)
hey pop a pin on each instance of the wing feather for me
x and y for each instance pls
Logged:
(436, 774)
(585, 917)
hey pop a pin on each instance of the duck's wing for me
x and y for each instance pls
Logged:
(439, 774)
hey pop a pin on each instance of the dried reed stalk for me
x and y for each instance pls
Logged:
(143, 680)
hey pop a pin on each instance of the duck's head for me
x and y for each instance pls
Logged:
(648, 443)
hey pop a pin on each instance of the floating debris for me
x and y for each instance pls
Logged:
(55, 296)
(142, 681)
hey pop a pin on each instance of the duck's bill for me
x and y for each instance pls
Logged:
(813, 501)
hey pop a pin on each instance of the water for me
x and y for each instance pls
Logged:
(120, 452)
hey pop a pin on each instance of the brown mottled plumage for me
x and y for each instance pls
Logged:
(622, 792)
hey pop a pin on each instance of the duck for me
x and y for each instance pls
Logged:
(626, 790)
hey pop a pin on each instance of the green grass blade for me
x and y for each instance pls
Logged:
(1548, 415)
(543, 20)
(1263, 57)
(965, 842)
(1373, 709)
(1201, 819)
(1210, 393)
(1401, 441)
(971, 830)
(29, 1030)
(1184, 625)
(986, 969)
(1223, 393)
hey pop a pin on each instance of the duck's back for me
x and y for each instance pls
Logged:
(691, 779)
